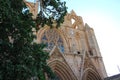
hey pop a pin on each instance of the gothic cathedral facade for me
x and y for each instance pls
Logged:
(73, 48)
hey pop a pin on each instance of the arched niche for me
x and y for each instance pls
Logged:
(90, 74)
(62, 70)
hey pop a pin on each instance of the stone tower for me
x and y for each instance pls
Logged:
(73, 49)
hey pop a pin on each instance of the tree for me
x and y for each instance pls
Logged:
(50, 11)
(20, 57)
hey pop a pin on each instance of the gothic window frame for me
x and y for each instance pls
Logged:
(51, 38)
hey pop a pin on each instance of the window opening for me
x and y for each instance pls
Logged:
(52, 38)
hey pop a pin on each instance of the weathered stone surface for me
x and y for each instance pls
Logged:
(74, 52)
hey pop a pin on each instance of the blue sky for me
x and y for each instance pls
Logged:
(104, 17)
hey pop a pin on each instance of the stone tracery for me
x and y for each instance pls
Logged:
(71, 37)
(52, 38)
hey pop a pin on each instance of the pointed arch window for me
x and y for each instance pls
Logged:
(52, 38)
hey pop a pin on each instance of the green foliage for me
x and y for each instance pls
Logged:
(20, 58)
(51, 11)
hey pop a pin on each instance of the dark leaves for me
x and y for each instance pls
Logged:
(20, 58)
(51, 11)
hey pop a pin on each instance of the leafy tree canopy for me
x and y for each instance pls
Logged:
(20, 57)
(50, 11)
